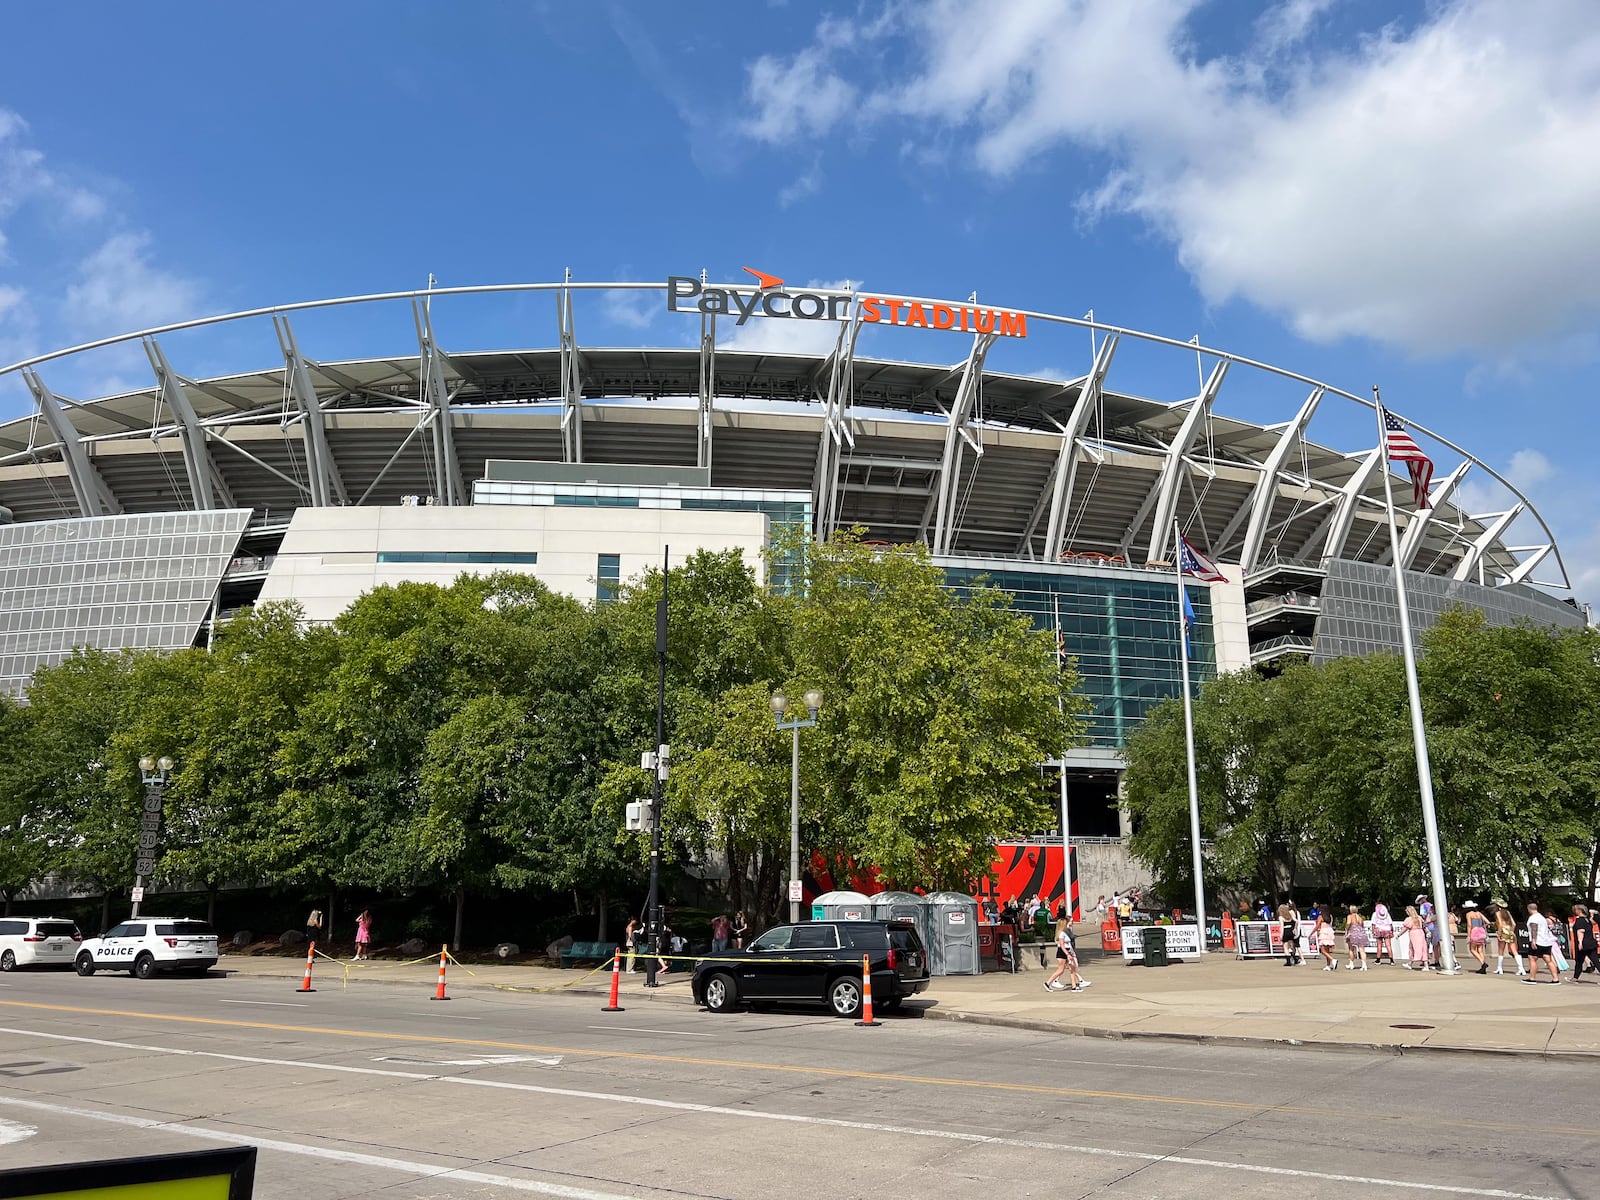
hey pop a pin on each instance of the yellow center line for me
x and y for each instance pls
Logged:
(827, 1072)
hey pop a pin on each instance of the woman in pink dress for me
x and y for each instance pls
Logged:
(1416, 939)
(363, 933)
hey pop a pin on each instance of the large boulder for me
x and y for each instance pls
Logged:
(243, 938)
(554, 949)
(507, 950)
(413, 947)
(291, 937)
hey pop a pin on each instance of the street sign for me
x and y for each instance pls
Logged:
(146, 865)
(137, 895)
(796, 890)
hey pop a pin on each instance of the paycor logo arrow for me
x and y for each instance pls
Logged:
(764, 281)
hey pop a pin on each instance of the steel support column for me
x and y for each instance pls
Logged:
(955, 432)
(1262, 500)
(1172, 473)
(326, 485)
(436, 397)
(206, 484)
(836, 434)
(1066, 469)
(1492, 532)
(94, 498)
(1417, 527)
(1343, 517)
(571, 381)
(1536, 555)
(708, 390)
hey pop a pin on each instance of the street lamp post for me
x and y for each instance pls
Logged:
(780, 704)
(153, 773)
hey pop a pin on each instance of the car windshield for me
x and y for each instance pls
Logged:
(185, 929)
(57, 929)
(773, 939)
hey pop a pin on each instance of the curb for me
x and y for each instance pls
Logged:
(1394, 1049)
(469, 984)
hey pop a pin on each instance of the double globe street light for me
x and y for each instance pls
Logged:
(780, 705)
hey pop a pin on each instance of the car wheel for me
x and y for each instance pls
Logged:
(844, 996)
(722, 994)
(144, 966)
(8, 961)
(85, 965)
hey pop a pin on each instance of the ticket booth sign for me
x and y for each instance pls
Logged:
(1183, 941)
(1258, 939)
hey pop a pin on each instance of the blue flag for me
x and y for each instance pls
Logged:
(1188, 620)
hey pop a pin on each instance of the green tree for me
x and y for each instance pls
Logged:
(25, 838)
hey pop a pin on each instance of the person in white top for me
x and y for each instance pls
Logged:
(1540, 943)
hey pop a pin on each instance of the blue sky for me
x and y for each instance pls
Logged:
(1364, 192)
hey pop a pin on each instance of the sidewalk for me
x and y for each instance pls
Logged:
(1218, 999)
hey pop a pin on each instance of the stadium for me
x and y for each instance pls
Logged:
(141, 518)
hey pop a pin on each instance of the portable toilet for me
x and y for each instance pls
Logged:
(953, 922)
(904, 906)
(841, 906)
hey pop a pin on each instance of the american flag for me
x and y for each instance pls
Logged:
(1192, 562)
(1401, 447)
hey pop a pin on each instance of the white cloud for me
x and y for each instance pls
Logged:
(120, 290)
(807, 183)
(1529, 469)
(784, 336)
(1433, 189)
(630, 309)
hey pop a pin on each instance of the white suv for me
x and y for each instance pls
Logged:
(25, 941)
(144, 945)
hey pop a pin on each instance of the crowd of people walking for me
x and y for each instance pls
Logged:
(1533, 945)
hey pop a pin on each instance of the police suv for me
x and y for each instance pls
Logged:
(145, 945)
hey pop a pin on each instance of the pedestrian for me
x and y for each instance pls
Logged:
(1322, 933)
(1541, 941)
(663, 940)
(1416, 939)
(741, 930)
(1430, 929)
(1290, 917)
(1066, 960)
(363, 933)
(314, 926)
(1505, 940)
(1477, 936)
(1355, 939)
(1584, 946)
(1382, 934)
(631, 938)
(721, 932)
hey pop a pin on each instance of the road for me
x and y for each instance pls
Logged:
(377, 1091)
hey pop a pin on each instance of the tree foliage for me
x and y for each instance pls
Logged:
(1314, 770)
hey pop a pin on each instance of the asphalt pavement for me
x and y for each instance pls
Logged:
(371, 1090)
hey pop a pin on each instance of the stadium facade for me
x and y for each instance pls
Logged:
(140, 519)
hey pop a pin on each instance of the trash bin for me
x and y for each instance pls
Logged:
(1155, 945)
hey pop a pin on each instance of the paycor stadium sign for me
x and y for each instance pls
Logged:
(771, 299)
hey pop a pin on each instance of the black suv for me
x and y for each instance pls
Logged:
(817, 961)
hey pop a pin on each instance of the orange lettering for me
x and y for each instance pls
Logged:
(1013, 324)
(915, 316)
(943, 318)
(894, 311)
(985, 319)
(869, 309)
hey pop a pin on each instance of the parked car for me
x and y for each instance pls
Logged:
(29, 941)
(819, 961)
(145, 945)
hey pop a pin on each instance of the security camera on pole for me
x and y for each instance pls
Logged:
(153, 773)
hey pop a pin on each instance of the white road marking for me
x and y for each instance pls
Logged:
(717, 1110)
(446, 1016)
(639, 1029)
(427, 1170)
(268, 1003)
(15, 1131)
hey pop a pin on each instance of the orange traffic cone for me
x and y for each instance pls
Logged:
(311, 952)
(444, 953)
(616, 983)
(866, 993)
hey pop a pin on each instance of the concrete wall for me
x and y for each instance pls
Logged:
(1228, 623)
(330, 555)
(1105, 869)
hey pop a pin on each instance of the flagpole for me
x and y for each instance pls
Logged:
(1066, 838)
(1419, 736)
(1188, 743)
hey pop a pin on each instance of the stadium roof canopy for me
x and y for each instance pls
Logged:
(970, 460)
